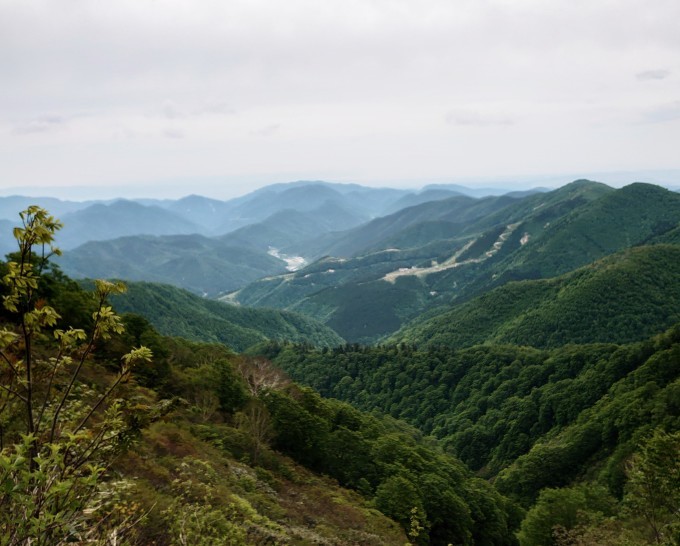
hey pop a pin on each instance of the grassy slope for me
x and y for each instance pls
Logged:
(283, 503)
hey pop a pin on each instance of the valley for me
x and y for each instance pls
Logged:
(380, 367)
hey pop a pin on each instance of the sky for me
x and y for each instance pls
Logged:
(163, 98)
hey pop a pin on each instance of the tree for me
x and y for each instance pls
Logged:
(255, 420)
(653, 489)
(398, 498)
(260, 374)
(554, 508)
(559, 511)
(57, 435)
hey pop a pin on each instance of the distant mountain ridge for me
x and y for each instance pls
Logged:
(121, 218)
(10, 206)
(201, 211)
(216, 217)
(291, 229)
(203, 265)
(284, 217)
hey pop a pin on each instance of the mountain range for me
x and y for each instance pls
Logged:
(280, 220)
(108, 219)
(440, 254)
(325, 250)
(519, 355)
(364, 261)
(625, 297)
(450, 262)
(177, 312)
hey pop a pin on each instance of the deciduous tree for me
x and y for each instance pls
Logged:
(57, 435)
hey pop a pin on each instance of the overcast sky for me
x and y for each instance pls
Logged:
(166, 98)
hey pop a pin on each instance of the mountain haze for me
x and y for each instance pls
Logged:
(198, 263)
(100, 222)
(201, 211)
(291, 229)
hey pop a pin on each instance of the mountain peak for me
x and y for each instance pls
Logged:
(644, 187)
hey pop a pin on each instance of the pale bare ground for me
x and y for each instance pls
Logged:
(453, 262)
(293, 263)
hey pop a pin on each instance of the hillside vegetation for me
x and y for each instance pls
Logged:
(619, 219)
(534, 419)
(200, 446)
(176, 312)
(530, 397)
(626, 297)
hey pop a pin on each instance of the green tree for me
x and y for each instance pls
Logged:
(57, 435)
(398, 498)
(255, 420)
(653, 489)
(560, 510)
(555, 507)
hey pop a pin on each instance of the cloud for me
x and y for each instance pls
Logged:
(43, 124)
(171, 111)
(663, 113)
(392, 84)
(476, 119)
(268, 130)
(173, 133)
(658, 74)
(218, 108)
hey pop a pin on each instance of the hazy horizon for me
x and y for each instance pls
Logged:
(222, 189)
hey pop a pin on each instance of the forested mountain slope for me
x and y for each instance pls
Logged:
(535, 418)
(200, 264)
(539, 236)
(176, 312)
(205, 444)
(385, 232)
(624, 297)
(629, 216)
